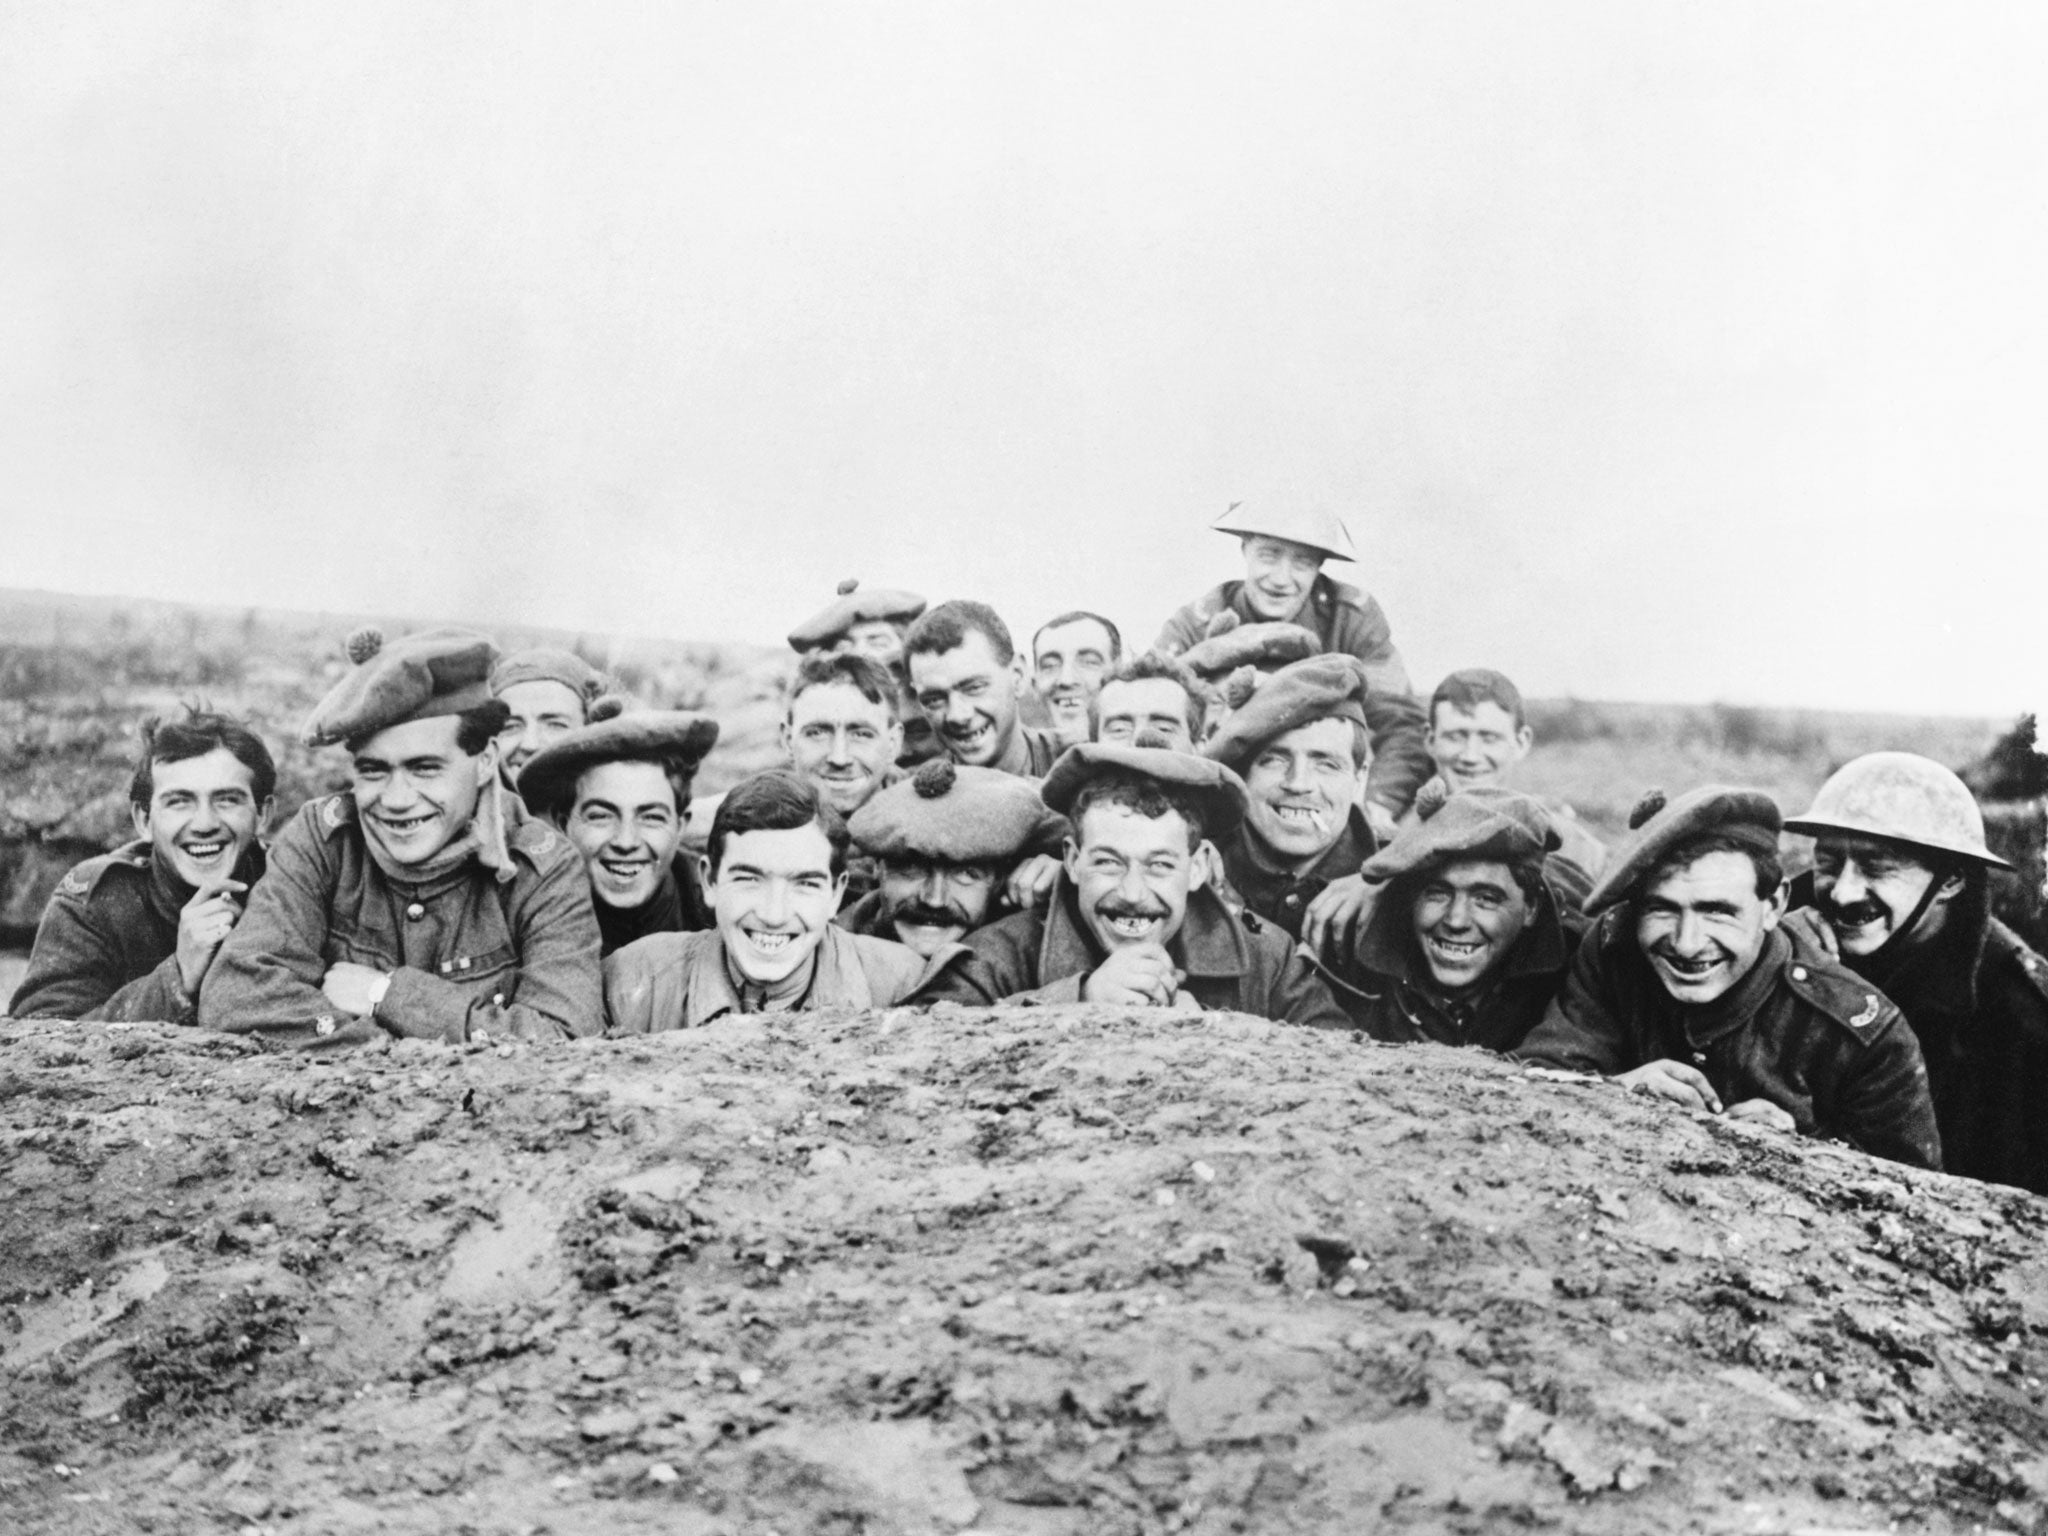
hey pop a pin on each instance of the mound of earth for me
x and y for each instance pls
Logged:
(1025, 1271)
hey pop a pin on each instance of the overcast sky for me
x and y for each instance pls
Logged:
(1662, 351)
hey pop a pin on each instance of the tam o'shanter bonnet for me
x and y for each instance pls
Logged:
(1658, 826)
(548, 664)
(616, 732)
(957, 814)
(415, 677)
(830, 624)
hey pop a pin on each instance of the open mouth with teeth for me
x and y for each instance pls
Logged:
(1698, 969)
(971, 738)
(768, 943)
(405, 826)
(1455, 951)
(205, 853)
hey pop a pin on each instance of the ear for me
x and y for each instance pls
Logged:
(263, 815)
(782, 735)
(838, 889)
(1949, 890)
(1202, 865)
(140, 815)
(705, 875)
(1019, 679)
(1525, 738)
(1775, 907)
(1070, 859)
(894, 736)
(487, 764)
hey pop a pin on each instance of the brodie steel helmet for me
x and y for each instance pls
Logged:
(1298, 522)
(1903, 798)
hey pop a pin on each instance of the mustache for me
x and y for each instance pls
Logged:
(1853, 914)
(925, 914)
(1116, 906)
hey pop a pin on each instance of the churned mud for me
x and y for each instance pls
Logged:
(1034, 1272)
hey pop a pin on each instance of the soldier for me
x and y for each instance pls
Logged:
(948, 840)
(873, 624)
(774, 870)
(619, 788)
(966, 677)
(1152, 700)
(842, 731)
(1476, 920)
(547, 694)
(1133, 920)
(1070, 656)
(1689, 987)
(1300, 744)
(423, 901)
(1902, 878)
(1284, 550)
(129, 935)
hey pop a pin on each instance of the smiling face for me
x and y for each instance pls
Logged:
(1069, 663)
(933, 904)
(1702, 926)
(1467, 916)
(627, 825)
(416, 789)
(1302, 785)
(773, 895)
(842, 741)
(1476, 746)
(1155, 707)
(970, 698)
(542, 711)
(1868, 890)
(1133, 874)
(1278, 574)
(202, 814)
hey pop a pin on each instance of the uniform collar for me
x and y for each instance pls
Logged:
(1355, 843)
(1733, 1009)
(1211, 942)
(836, 977)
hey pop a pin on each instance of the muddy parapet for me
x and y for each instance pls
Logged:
(1030, 1271)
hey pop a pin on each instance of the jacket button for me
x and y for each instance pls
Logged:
(415, 911)
(1799, 973)
(1699, 1058)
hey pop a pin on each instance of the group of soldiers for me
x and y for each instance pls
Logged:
(1254, 814)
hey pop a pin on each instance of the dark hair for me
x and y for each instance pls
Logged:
(945, 628)
(776, 800)
(1141, 795)
(1147, 665)
(864, 674)
(198, 733)
(1770, 871)
(1078, 616)
(475, 728)
(680, 772)
(1471, 687)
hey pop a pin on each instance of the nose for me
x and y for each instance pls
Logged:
(1850, 886)
(399, 790)
(1297, 776)
(626, 837)
(959, 709)
(933, 891)
(205, 817)
(1691, 938)
(775, 902)
(839, 753)
(1458, 916)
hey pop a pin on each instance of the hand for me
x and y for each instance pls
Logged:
(1764, 1112)
(1809, 923)
(1031, 881)
(1675, 1081)
(1143, 973)
(353, 988)
(1337, 917)
(1384, 823)
(204, 921)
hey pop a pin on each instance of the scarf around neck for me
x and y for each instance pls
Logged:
(483, 839)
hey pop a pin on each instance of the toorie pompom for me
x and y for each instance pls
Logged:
(1651, 803)
(933, 779)
(606, 706)
(1431, 797)
(1240, 685)
(364, 643)
(848, 586)
(1221, 624)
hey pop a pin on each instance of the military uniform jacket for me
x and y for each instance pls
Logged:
(1044, 956)
(470, 955)
(1283, 899)
(677, 906)
(107, 947)
(1800, 1029)
(1351, 623)
(1031, 753)
(680, 980)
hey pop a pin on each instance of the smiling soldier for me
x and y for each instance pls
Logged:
(619, 788)
(423, 901)
(1070, 657)
(1134, 918)
(1902, 878)
(130, 935)
(1475, 924)
(872, 624)
(775, 869)
(1284, 547)
(966, 676)
(1152, 700)
(1689, 987)
(547, 694)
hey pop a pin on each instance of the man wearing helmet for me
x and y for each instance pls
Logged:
(1901, 878)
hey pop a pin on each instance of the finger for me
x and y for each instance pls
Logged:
(214, 888)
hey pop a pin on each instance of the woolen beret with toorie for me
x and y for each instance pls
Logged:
(1484, 822)
(547, 664)
(1264, 645)
(1658, 826)
(956, 814)
(880, 605)
(1219, 792)
(415, 677)
(1319, 688)
(548, 781)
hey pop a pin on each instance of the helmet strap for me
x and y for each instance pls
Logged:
(1889, 958)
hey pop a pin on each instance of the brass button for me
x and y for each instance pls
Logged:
(1799, 973)
(415, 911)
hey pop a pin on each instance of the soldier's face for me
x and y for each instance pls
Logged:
(1153, 707)
(1133, 874)
(1867, 890)
(627, 826)
(1302, 785)
(1476, 746)
(202, 814)
(542, 711)
(842, 741)
(1467, 916)
(880, 641)
(773, 894)
(1703, 926)
(969, 697)
(416, 789)
(1068, 666)
(1277, 575)
(932, 904)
